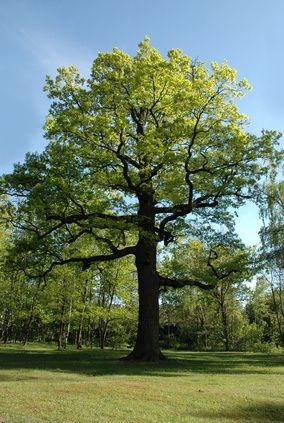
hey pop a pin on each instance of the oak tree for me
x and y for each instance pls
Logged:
(136, 149)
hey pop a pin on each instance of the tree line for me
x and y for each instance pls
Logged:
(99, 307)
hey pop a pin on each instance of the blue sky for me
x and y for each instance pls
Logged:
(37, 36)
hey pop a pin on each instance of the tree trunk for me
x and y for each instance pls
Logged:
(147, 342)
(79, 334)
(103, 333)
(61, 327)
(5, 326)
(27, 329)
(82, 315)
(68, 327)
(226, 340)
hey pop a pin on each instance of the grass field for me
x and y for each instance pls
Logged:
(39, 384)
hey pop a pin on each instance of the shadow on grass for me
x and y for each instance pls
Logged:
(98, 363)
(262, 412)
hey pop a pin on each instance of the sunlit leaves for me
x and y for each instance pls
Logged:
(169, 126)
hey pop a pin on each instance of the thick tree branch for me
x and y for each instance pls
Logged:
(123, 156)
(74, 218)
(30, 227)
(213, 255)
(181, 210)
(180, 283)
(85, 261)
(201, 202)
(178, 211)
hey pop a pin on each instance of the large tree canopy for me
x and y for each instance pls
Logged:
(134, 150)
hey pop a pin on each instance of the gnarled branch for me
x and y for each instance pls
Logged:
(180, 283)
(85, 261)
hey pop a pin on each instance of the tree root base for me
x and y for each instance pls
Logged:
(146, 356)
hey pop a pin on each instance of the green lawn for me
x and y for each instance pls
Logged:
(39, 384)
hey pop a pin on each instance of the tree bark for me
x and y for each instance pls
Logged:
(103, 333)
(226, 340)
(147, 342)
(60, 341)
(5, 326)
(68, 326)
(82, 315)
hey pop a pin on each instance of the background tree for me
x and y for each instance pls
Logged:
(114, 305)
(225, 267)
(272, 236)
(187, 319)
(134, 149)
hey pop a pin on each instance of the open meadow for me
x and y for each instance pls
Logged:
(39, 384)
